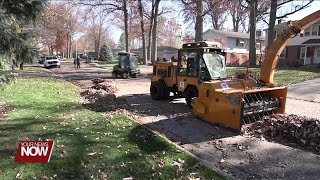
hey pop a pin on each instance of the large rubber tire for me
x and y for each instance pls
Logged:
(156, 90)
(114, 74)
(166, 91)
(125, 75)
(190, 93)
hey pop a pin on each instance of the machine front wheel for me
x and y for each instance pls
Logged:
(189, 94)
(125, 75)
(156, 90)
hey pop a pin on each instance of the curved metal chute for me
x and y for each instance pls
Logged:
(272, 56)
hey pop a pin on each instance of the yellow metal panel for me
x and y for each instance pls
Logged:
(184, 81)
(216, 107)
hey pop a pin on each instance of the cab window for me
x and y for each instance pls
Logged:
(187, 63)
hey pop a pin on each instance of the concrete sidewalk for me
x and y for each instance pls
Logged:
(307, 91)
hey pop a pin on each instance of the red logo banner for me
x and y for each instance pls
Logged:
(34, 151)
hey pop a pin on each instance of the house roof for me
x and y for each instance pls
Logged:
(231, 34)
(312, 41)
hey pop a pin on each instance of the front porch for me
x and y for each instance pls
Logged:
(310, 52)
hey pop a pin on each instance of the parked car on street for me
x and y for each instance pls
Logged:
(51, 61)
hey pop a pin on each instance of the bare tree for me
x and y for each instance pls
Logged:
(193, 10)
(154, 31)
(238, 13)
(96, 18)
(257, 8)
(217, 13)
(112, 6)
(142, 32)
(152, 34)
(276, 5)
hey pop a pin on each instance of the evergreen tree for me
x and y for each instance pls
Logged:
(13, 41)
(106, 53)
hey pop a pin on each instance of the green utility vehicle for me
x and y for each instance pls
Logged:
(127, 65)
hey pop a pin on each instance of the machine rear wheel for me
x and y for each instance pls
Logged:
(166, 91)
(156, 91)
(114, 74)
(133, 75)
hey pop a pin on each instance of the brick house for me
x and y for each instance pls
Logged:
(237, 44)
(303, 49)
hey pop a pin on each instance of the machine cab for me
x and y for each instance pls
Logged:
(200, 61)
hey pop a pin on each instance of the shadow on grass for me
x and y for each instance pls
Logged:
(66, 162)
(147, 141)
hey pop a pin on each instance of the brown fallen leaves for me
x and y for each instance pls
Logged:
(293, 129)
(179, 164)
(101, 97)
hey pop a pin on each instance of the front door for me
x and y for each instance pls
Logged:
(317, 56)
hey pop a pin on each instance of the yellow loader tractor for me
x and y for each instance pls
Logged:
(200, 76)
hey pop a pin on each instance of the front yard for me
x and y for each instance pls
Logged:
(285, 75)
(88, 144)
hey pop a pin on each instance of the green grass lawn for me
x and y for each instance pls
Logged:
(88, 144)
(104, 64)
(285, 75)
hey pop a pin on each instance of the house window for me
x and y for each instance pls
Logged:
(283, 53)
(303, 52)
(307, 32)
(239, 43)
(314, 31)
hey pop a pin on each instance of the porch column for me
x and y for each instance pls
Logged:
(305, 55)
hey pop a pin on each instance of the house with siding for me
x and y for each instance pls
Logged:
(304, 49)
(163, 52)
(237, 44)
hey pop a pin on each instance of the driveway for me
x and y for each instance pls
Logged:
(308, 91)
(304, 98)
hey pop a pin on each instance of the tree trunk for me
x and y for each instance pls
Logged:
(70, 46)
(252, 45)
(272, 21)
(142, 32)
(126, 30)
(96, 48)
(199, 22)
(67, 45)
(154, 32)
(150, 33)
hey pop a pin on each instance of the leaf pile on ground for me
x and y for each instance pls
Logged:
(101, 97)
(293, 129)
(107, 85)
